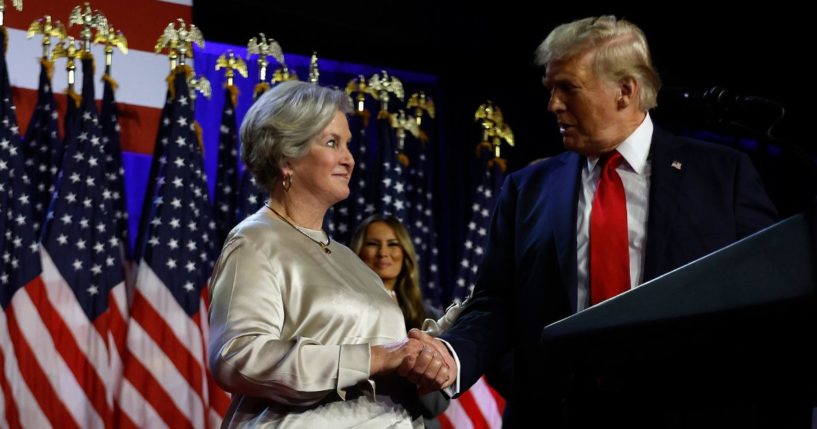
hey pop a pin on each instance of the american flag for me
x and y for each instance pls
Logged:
(70, 121)
(226, 193)
(393, 198)
(158, 154)
(113, 159)
(167, 381)
(115, 172)
(251, 197)
(347, 214)
(82, 265)
(42, 144)
(421, 219)
(477, 234)
(480, 406)
(26, 387)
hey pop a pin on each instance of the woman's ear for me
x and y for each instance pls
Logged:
(286, 168)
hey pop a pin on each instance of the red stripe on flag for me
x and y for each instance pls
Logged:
(500, 401)
(153, 392)
(444, 422)
(138, 124)
(141, 22)
(10, 407)
(154, 325)
(472, 408)
(219, 399)
(83, 370)
(119, 327)
(121, 420)
(35, 378)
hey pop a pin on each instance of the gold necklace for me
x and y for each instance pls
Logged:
(324, 246)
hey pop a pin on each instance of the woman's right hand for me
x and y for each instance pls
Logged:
(387, 358)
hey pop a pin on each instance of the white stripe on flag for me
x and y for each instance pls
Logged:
(457, 415)
(142, 348)
(163, 302)
(88, 339)
(31, 416)
(117, 300)
(487, 403)
(138, 410)
(59, 375)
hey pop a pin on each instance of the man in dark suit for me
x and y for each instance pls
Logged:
(555, 247)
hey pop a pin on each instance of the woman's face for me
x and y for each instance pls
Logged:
(382, 252)
(325, 170)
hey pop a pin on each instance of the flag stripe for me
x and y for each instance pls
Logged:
(500, 401)
(9, 366)
(25, 402)
(162, 301)
(142, 27)
(50, 333)
(141, 70)
(472, 408)
(55, 302)
(118, 300)
(30, 368)
(456, 416)
(9, 417)
(137, 123)
(219, 399)
(156, 396)
(135, 410)
(161, 385)
(154, 325)
(486, 402)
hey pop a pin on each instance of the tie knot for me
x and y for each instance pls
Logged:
(611, 159)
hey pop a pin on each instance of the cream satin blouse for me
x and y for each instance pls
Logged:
(290, 331)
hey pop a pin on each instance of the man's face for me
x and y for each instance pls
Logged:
(586, 105)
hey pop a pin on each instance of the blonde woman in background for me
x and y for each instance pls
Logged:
(384, 244)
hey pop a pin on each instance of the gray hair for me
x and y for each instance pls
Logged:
(280, 124)
(621, 52)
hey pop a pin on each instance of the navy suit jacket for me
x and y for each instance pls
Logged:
(528, 277)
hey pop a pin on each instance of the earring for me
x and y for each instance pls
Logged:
(287, 182)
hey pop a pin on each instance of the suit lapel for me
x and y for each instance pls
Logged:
(563, 216)
(666, 191)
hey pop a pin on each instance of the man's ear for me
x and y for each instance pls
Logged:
(628, 92)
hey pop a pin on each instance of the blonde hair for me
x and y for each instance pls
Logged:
(407, 286)
(621, 51)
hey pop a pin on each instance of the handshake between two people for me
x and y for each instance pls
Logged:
(420, 358)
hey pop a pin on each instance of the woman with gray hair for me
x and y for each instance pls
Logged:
(301, 329)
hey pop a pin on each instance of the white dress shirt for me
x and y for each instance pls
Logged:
(635, 173)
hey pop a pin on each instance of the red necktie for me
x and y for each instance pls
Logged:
(609, 247)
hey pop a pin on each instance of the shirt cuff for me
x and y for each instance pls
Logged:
(453, 389)
(354, 364)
